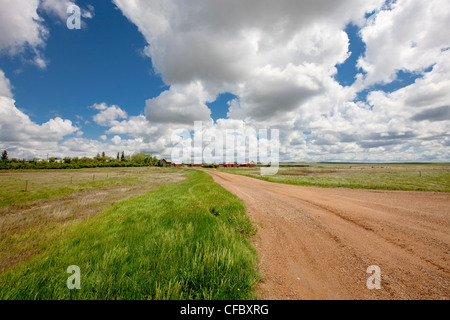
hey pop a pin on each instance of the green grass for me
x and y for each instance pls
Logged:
(420, 177)
(188, 240)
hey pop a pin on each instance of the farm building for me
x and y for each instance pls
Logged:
(165, 162)
(177, 165)
(194, 165)
(250, 164)
(230, 165)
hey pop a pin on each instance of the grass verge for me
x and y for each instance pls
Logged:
(188, 240)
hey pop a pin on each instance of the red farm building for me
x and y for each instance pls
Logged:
(250, 164)
(230, 165)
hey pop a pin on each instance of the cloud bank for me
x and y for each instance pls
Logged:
(280, 58)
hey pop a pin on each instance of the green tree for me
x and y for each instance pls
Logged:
(122, 158)
(139, 158)
(5, 155)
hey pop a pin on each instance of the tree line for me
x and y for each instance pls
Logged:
(101, 160)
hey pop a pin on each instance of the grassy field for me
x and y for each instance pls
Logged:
(48, 184)
(36, 217)
(422, 177)
(182, 240)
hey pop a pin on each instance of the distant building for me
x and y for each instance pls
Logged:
(194, 165)
(230, 165)
(250, 164)
(165, 162)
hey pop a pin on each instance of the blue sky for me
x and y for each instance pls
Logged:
(102, 62)
(345, 82)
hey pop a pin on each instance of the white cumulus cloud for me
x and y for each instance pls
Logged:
(108, 115)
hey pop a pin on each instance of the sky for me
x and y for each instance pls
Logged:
(341, 80)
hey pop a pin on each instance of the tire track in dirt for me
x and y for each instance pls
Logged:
(317, 243)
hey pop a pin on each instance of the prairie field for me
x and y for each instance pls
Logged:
(418, 177)
(135, 233)
(178, 233)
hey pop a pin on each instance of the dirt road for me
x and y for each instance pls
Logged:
(317, 243)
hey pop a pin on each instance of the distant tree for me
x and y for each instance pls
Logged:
(135, 160)
(139, 158)
(5, 155)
